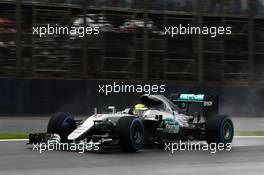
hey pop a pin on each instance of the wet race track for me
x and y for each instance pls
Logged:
(245, 158)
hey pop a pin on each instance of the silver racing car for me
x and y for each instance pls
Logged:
(155, 121)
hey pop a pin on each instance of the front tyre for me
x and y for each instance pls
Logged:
(131, 132)
(62, 124)
(219, 129)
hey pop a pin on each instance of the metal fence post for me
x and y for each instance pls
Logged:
(84, 45)
(200, 43)
(146, 41)
(18, 38)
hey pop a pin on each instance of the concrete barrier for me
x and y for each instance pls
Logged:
(41, 97)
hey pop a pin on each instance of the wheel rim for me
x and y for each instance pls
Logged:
(137, 134)
(227, 130)
(68, 124)
(68, 121)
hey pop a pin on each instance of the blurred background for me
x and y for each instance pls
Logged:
(44, 75)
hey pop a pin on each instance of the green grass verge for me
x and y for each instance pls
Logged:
(249, 133)
(24, 135)
(16, 135)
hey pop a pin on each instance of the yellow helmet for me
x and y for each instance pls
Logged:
(139, 106)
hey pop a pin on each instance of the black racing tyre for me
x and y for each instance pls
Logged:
(219, 129)
(131, 132)
(62, 124)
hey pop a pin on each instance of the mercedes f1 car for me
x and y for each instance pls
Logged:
(156, 121)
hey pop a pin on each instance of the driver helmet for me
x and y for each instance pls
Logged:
(137, 108)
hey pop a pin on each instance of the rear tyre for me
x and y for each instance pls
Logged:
(219, 129)
(62, 124)
(131, 132)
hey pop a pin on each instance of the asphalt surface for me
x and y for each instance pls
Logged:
(245, 158)
(39, 124)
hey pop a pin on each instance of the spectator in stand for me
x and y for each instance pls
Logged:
(157, 4)
(139, 4)
(233, 6)
(94, 3)
(179, 5)
(170, 5)
(189, 5)
(244, 6)
(260, 7)
(216, 6)
(115, 3)
(126, 3)
(77, 2)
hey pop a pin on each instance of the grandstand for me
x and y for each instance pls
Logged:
(140, 52)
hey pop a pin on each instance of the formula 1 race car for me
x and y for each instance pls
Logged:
(156, 121)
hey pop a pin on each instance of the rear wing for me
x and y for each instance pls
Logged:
(206, 105)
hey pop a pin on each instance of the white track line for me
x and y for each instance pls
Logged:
(250, 137)
(13, 140)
